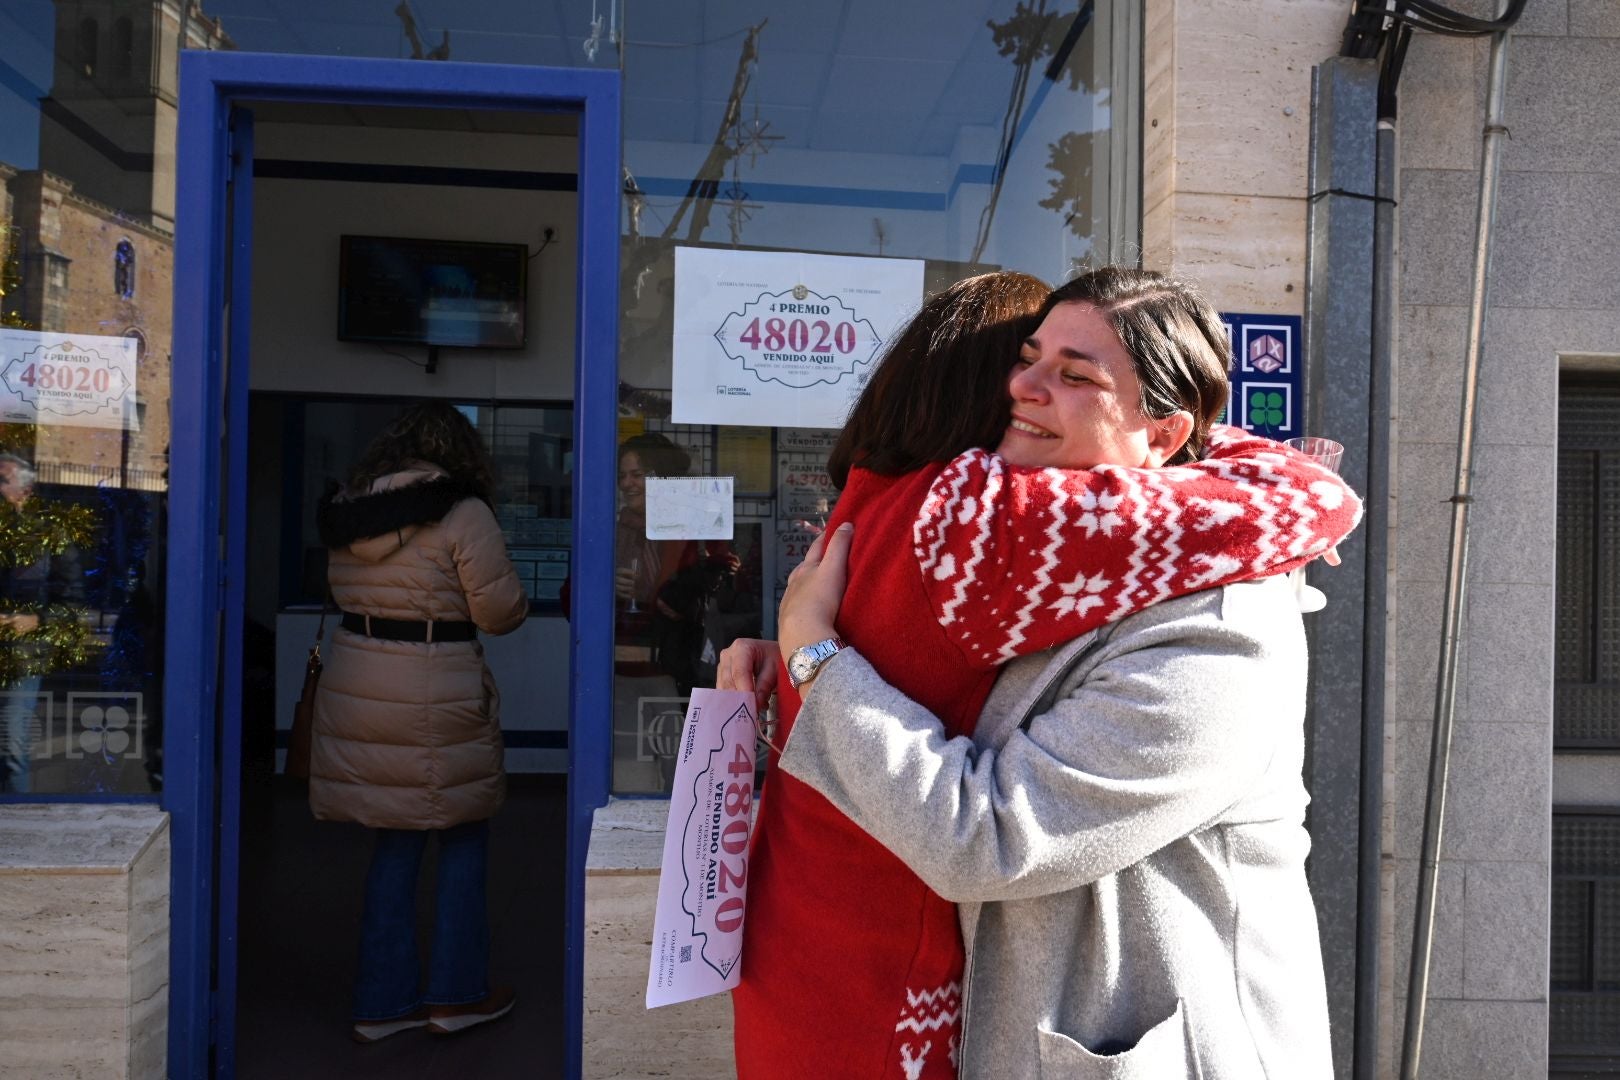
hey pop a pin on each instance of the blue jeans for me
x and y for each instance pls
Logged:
(458, 969)
(17, 732)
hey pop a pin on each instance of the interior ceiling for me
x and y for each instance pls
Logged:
(898, 76)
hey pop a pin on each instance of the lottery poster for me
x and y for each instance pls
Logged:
(777, 339)
(702, 890)
(74, 380)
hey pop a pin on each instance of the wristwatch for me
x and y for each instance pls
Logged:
(803, 664)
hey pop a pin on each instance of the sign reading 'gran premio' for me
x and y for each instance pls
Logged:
(78, 380)
(782, 339)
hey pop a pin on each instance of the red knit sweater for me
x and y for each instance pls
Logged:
(852, 967)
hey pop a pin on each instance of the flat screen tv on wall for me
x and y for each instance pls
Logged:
(451, 293)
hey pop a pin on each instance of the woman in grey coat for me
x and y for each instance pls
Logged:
(1124, 831)
(1123, 835)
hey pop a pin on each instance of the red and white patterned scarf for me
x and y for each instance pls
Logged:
(1007, 569)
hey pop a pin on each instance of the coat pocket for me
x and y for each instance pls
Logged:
(1160, 1054)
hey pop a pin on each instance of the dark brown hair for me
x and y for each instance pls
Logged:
(1175, 337)
(657, 454)
(941, 386)
(433, 432)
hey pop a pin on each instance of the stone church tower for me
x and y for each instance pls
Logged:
(109, 123)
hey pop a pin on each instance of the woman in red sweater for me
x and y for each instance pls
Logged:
(852, 967)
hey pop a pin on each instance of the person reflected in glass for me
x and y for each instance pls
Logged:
(407, 738)
(642, 566)
(33, 579)
(663, 590)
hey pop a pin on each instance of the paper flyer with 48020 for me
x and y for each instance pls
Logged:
(702, 890)
(781, 338)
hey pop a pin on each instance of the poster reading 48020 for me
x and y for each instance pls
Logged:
(76, 380)
(778, 339)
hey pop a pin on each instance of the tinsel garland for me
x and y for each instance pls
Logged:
(61, 640)
(38, 529)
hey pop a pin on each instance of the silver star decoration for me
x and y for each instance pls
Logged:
(738, 209)
(750, 137)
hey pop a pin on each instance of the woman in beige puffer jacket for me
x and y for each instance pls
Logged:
(407, 733)
(407, 736)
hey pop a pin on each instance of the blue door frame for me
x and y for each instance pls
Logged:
(207, 476)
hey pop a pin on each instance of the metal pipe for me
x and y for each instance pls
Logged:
(1456, 569)
(1375, 629)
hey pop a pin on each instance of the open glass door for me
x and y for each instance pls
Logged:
(210, 453)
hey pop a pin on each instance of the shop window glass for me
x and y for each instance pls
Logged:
(531, 447)
(84, 417)
(960, 138)
(965, 135)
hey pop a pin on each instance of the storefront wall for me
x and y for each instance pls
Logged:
(891, 125)
(1225, 120)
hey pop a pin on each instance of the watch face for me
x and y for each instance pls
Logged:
(801, 665)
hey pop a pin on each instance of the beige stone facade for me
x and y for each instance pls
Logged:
(1225, 135)
(623, 1039)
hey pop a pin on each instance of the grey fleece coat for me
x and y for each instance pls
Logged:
(1129, 867)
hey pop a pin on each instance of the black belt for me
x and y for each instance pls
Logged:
(409, 629)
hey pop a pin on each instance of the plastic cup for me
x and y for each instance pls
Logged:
(1325, 452)
(1328, 454)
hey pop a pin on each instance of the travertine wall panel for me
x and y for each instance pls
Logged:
(1158, 121)
(1226, 108)
(64, 979)
(623, 1038)
(1247, 252)
(1243, 92)
(84, 942)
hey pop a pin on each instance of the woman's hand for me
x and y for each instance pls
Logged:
(815, 589)
(748, 665)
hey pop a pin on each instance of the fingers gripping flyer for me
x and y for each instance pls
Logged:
(697, 933)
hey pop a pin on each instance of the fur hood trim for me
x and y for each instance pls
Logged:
(342, 520)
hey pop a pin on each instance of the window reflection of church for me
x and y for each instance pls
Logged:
(87, 237)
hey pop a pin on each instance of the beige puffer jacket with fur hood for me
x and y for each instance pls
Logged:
(407, 734)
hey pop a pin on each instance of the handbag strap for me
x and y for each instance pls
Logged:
(328, 605)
